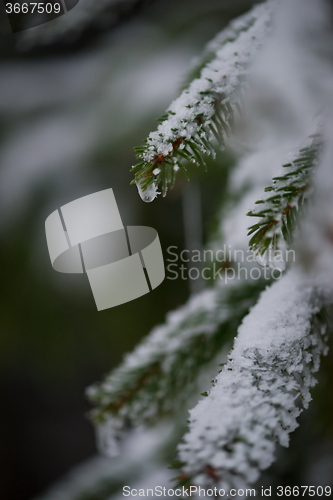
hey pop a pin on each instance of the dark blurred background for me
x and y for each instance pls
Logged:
(71, 111)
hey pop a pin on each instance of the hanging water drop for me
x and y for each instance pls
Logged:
(149, 194)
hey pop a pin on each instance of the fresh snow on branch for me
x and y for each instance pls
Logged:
(227, 35)
(205, 110)
(257, 397)
(254, 400)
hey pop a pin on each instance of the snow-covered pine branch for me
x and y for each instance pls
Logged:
(227, 35)
(279, 212)
(161, 372)
(206, 108)
(253, 403)
(169, 360)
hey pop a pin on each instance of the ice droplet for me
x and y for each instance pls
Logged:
(149, 194)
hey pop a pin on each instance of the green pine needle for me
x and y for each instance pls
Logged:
(280, 215)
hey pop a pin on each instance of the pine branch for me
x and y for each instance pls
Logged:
(158, 376)
(233, 431)
(229, 34)
(205, 111)
(288, 196)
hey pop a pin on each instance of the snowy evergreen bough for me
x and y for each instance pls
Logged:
(206, 108)
(252, 405)
(257, 396)
(269, 73)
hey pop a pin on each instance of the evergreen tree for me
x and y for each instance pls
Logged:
(263, 87)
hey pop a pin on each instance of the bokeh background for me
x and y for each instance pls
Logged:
(71, 111)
